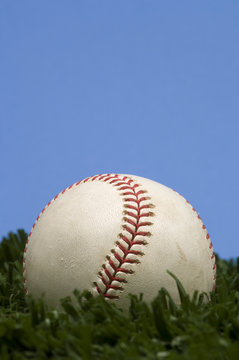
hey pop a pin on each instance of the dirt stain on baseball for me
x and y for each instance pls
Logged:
(181, 253)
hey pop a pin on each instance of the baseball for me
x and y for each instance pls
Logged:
(114, 235)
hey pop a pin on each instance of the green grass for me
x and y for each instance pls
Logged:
(96, 329)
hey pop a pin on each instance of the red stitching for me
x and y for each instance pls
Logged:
(145, 223)
(130, 221)
(95, 177)
(126, 271)
(87, 179)
(125, 251)
(109, 178)
(131, 207)
(126, 184)
(112, 264)
(124, 187)
(146, 207)
(108, 274)
(129, 213)
(210, 247)
(150, 213)
(104, 281)
(140, 242)
(128, 193)
(136, 200)
(118, 257)
(119, 279)
(124, 238)
(115, 287)
(140, 192)
(137, 225)
(113, 181)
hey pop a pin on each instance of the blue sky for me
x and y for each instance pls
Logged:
(138, 87)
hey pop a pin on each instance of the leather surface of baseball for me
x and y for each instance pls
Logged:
(117, 234)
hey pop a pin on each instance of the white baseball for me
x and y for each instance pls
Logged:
(114, 235)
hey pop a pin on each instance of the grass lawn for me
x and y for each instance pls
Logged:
(96, 329)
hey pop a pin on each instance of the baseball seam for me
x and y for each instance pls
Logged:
(131, 241)
(211, 251)
(208, 239)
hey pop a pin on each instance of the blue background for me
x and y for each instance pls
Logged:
(149, 88)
